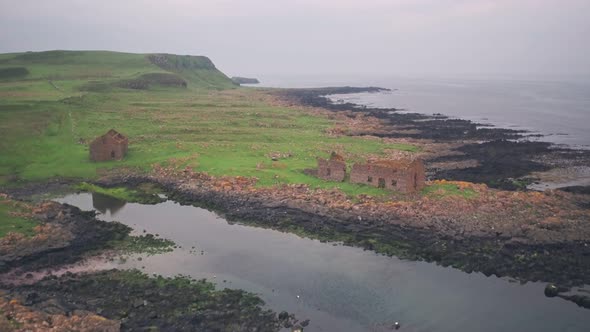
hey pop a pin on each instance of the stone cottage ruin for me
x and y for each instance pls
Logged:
(403, 175)
(110, 146)
(333, 169)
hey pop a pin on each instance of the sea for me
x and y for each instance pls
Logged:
(559, 110)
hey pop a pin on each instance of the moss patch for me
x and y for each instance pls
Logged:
(440, 190)
(9, 222)
(145, 244)
(144, 194)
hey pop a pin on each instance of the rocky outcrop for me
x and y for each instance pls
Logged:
(244, 80)
(64, 235)
(146, 81)
(16, 317)
(176, 63)
(141, 303)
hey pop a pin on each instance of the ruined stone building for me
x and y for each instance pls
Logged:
(333, 169)
(110, 146)
(404, 175)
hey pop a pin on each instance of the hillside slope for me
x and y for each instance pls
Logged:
(100, 71)
(176, 110)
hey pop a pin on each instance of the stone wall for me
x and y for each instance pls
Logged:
(407, 178)
(333, 170)
(106, 148)
(420, 177)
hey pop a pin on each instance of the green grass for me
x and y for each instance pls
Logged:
(145, 194)
(440, 190)
(11, 223)
(210, 125)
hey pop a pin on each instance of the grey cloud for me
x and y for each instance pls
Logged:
(446, 37)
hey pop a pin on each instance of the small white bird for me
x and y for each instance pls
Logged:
(297, 296)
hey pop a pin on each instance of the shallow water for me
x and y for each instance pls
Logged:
(338, 288)
(560, 110)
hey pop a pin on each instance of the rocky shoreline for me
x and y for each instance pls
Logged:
(565, 263)
(65, 235)
(505, 158)
(528, 236)
(109, 300)
(559, 261)
(529, 251)
(132, 301)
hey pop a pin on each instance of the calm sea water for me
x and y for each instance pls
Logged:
(339, 288)
(560, 110)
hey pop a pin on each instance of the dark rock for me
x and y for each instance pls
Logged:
(138, 303)
(244, 80)
(501, 159)
(31, 298)
(182, 304)
(551, 290)
(283, 315)
(53, 307)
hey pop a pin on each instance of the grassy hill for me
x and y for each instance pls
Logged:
(175, 109)
(72, 71)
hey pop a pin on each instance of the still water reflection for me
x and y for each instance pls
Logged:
(107, 204)
(339, 288)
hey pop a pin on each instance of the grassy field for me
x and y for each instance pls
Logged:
(48, 117)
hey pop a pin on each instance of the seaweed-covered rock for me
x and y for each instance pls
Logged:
(551, 290)
(140, 302)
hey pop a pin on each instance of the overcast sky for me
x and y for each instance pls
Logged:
(345, 37)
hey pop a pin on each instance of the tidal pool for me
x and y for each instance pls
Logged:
(338, 288)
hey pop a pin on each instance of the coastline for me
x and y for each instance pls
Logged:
(505, 160)
(538, 257)
(504, 231)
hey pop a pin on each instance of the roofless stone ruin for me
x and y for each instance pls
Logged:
(110, 146)
(404, 175)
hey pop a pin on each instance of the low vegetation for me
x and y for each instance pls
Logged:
(11, 219)
(440, 189)
(144, 244)
(145, 194)
(211, 125)
(13, 72)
